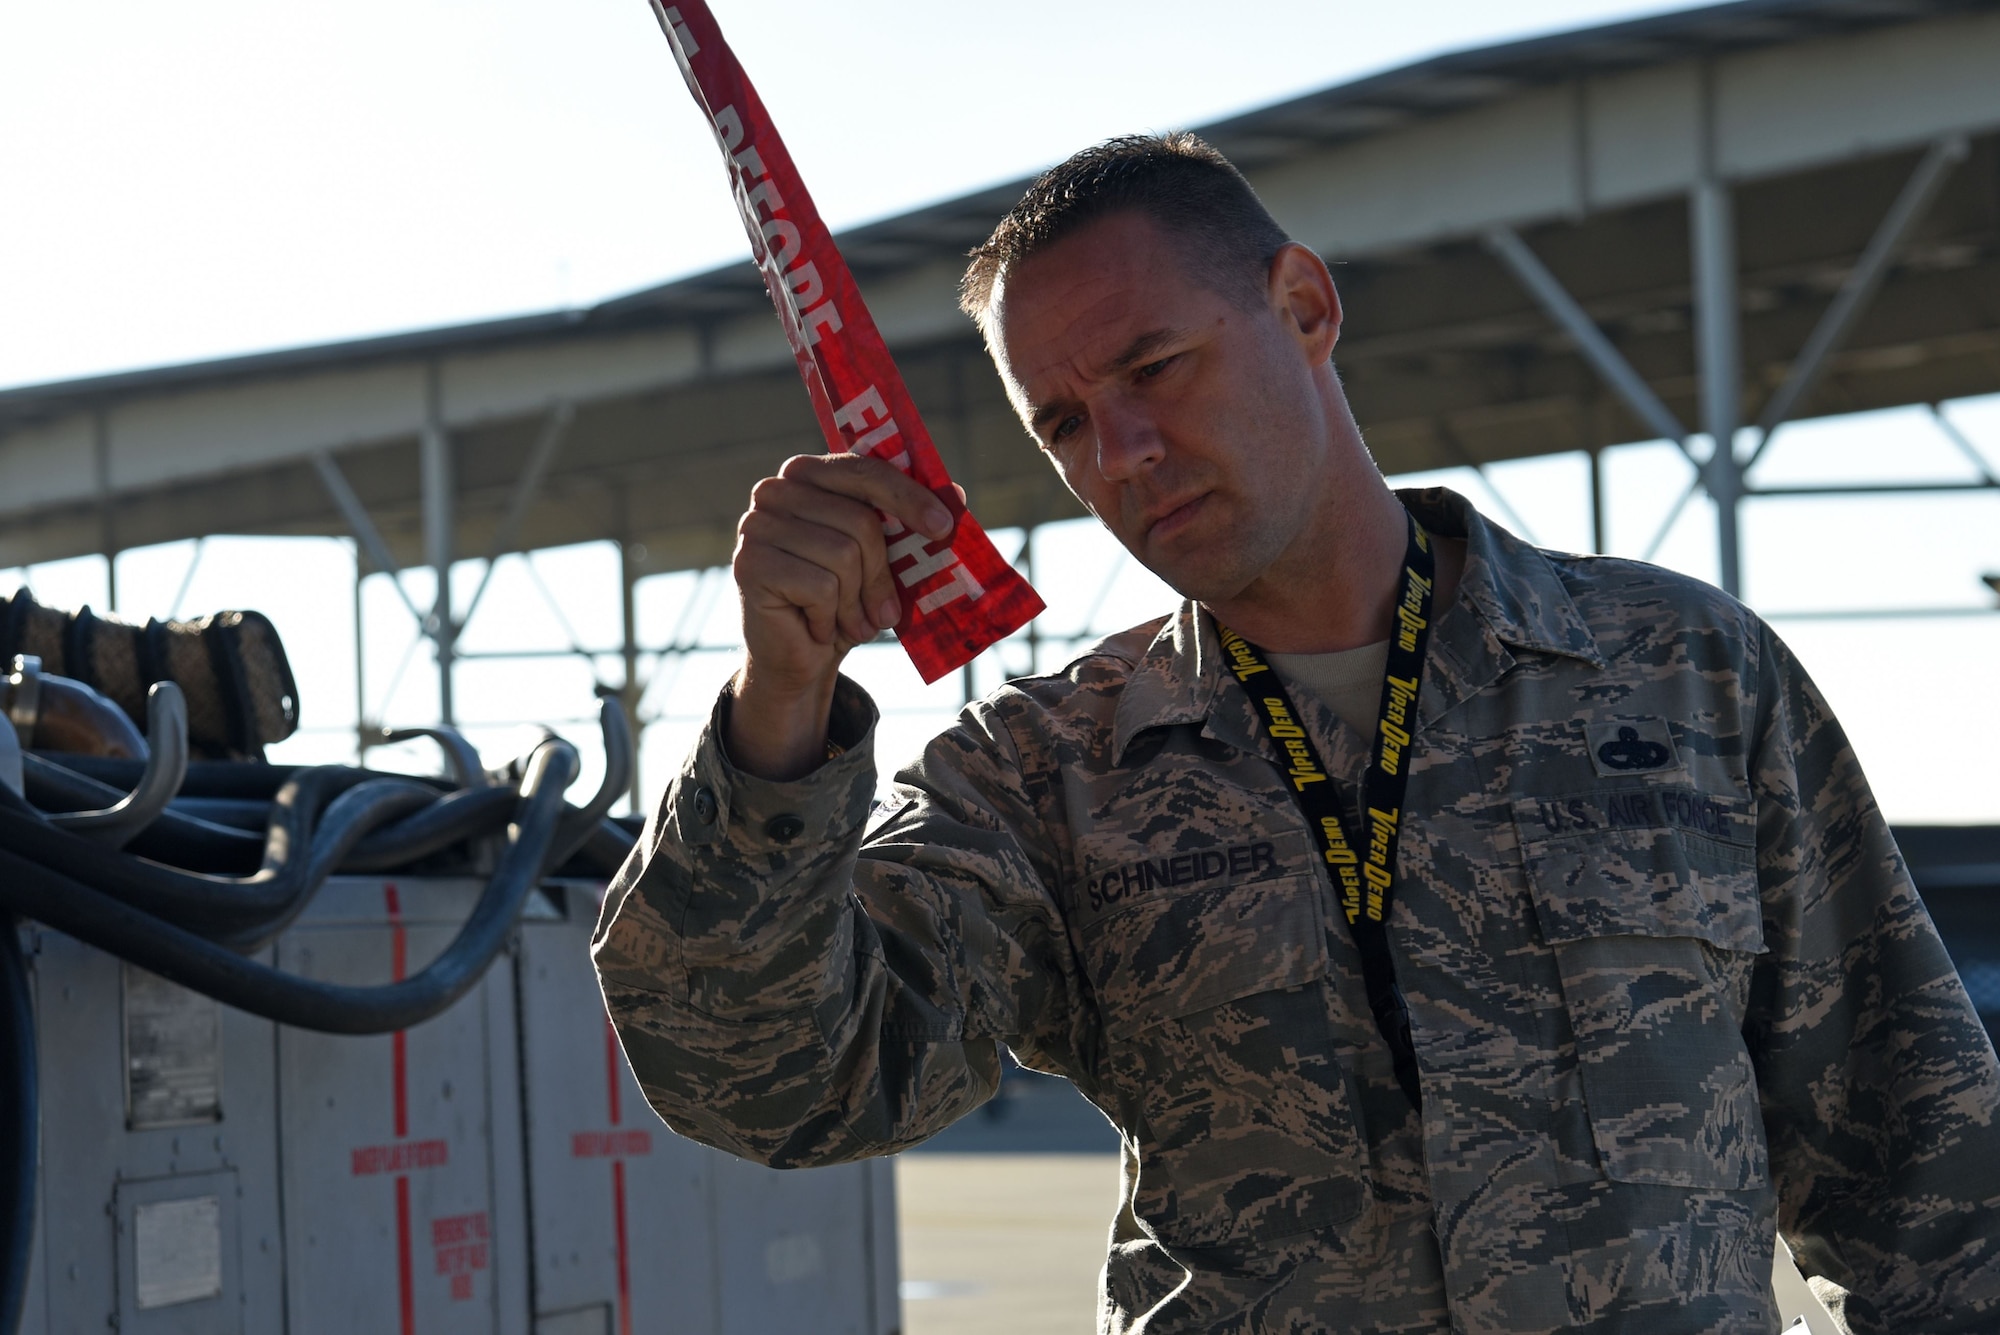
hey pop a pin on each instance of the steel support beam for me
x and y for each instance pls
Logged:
(1875, 489)
(670, 659)
(1600, 528)
(1451, 441)
(1881, 613)
(1719, 360)
(187, 579)
(527, 490)
(360, 675)
(1965, 446)
(1719, 355)
(630, 559)
(364, 530)
(1608, 362)
(1861, 284)
(439, 495)
(527, 655)
(1673, 517)
(107, 516)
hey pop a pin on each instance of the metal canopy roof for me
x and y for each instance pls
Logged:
(1586, 145)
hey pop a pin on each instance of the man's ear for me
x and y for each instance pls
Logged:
(1305, 301)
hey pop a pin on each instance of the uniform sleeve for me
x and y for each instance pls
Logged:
(1878, 1081)
(790, 996)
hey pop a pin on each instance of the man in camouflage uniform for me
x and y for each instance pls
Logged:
(1669, 987)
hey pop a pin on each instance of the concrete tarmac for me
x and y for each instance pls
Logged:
(1003, 1244)
(1004, 1218)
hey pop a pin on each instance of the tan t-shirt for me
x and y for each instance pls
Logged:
(1349, 682)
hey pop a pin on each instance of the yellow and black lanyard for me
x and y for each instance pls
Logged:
(1363, 870)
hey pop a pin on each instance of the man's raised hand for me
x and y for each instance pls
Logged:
(812, 573)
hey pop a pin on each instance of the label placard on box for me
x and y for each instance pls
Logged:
(173, 1053)
(177, 1250)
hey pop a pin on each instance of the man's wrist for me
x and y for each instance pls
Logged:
(778, 734)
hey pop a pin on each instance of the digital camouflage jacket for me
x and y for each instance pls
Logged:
(1669, 984)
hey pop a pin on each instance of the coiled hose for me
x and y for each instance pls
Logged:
(190, 898)
(204, 965)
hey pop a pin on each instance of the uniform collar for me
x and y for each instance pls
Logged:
(1514, 587)
(1510, 598)
(1175, 680)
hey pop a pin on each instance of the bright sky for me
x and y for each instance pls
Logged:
(226, 176)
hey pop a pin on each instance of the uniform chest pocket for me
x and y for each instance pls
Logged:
(1219, 1037)
(1655, 931)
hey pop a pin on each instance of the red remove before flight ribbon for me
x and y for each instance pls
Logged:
(958, 595)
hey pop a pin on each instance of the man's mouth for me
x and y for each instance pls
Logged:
(1166, 521)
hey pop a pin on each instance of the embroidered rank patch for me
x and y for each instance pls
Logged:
(1631, 746)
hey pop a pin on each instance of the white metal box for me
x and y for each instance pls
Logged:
(493, 1171)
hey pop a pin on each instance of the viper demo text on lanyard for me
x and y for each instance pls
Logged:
(1364, 871)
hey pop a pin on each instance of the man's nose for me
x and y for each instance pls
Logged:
(1128, 441)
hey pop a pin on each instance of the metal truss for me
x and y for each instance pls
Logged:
(1723, 471)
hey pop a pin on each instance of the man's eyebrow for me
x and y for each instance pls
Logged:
(1133, 353)
(1048, 413)
(1141, 348)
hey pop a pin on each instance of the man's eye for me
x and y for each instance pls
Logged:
(1151, 369)
(1065, 429)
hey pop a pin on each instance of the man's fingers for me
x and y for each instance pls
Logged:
(779, 504)
(781, 581)
(837, 550)
(883, 486)
(851, 493)
(812, 567)
(814, 549)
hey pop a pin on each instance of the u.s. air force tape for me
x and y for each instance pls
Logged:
(958, 595)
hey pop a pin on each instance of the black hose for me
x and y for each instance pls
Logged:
(205, 778)
(180, 836)
(465, 814)
(110, 924)
(295, 863)
(619, 757)
(187, 842)
(183, 838)
(228, 813)
(20, 1122)
(353, 814)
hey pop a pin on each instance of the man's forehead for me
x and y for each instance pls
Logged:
(1085, 301)
(1119, 248)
